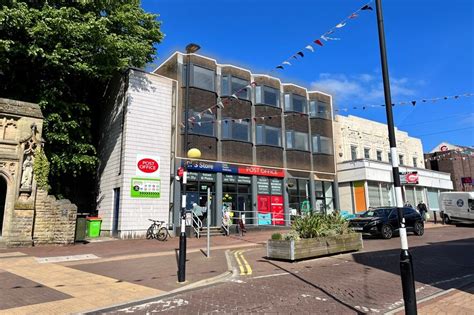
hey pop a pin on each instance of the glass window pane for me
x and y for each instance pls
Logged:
(367, 153)
(270, 97)
(258, 95)
(415, 163)
(301, 141)
(238, 84)
(240, 131)
(206, 127)
(323, 111)
(379, 155)
(272, 136)
(353, 152)
(316, 146)
(289, 140)
(287, 102)
(225, 85)
(326, 145)
(260, 134)
(374, 194)
(226, 129)
(400, 158)
(203, 78)
(299, 104)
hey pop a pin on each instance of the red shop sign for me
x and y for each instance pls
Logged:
(262, 171)
(147, 165)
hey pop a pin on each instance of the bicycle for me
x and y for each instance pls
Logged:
(157, 230)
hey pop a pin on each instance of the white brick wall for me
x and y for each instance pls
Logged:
(147, 131)
(109, 152)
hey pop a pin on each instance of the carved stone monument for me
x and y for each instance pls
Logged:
(28, 215)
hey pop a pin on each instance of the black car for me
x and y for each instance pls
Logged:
(383, 221)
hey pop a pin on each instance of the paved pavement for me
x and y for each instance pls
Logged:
(48, 280)
(68, 279)
(363, 282)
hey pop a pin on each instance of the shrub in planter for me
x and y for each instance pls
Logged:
(276, 236)
(315, 235)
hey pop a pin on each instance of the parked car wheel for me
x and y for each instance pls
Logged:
(419, 228)
(446, 219)
(387, 231)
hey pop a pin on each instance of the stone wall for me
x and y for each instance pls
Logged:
(55, 220)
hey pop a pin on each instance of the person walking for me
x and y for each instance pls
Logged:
(422, 209)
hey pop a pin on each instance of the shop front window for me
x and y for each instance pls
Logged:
(324, 197)
(298, 194)
(237, 198)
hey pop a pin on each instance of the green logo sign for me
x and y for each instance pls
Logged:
(145, 187)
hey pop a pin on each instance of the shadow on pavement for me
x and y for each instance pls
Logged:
(436, 264)
(317, 287)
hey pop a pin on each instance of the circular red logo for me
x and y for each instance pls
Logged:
(444, 148)
(147, 165)
(412, 178)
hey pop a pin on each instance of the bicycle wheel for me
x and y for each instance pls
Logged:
(162, 234)
(150, 233)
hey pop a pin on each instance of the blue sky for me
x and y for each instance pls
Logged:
(429, 42)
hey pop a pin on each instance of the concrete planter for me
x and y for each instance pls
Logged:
(313, 247)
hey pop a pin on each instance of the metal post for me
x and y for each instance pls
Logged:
(182, 241)
(207, 221)
(406, 264)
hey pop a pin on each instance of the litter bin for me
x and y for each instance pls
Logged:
(81, 227)
(93, 226)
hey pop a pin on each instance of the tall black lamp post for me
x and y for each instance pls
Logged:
(191, 48)
(406, 263)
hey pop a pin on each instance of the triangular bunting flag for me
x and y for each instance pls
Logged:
(340, 25)
(366, 7)
(199, 115)
(318, 42)
(286, 63)
(253, 83)
(234, 96)
(199, 123)
(413, 102)
(219, 103)
(280, 67)
(309, 47)
(210, 110)
(353, 16)
(300, 53)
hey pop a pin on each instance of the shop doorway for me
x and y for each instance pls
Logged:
(115, 221)
(3, 197)
(196, 193)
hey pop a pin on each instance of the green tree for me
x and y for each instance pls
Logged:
(61, 54)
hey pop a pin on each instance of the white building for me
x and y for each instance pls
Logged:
(135, 152)
(364, 171)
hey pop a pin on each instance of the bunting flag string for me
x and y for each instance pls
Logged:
(193, 121)
(457, 154)
(324, 36)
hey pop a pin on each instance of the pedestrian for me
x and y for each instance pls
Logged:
(422, 209)
(407, 204)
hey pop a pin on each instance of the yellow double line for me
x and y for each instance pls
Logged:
(242, 262)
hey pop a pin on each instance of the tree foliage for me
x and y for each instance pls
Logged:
(61, 54)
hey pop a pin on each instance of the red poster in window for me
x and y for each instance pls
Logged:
(263, 203)
(278, 217)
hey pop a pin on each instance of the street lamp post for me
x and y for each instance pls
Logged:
(191, 48)
(406, 263)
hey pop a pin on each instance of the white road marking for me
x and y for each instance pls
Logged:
(273, 275)
(56, 259)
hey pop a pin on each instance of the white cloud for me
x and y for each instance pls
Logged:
(362, 88)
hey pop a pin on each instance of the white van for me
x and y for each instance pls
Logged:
(457, 206)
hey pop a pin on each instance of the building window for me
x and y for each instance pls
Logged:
(267, 96)
(297, 140)
(236, 129)
(268, 135)
(400, 158)
(319, 109)
(322, 144)
(298, 195)
(230, 85)
(204, 126)
(200, 77)
(366, 153)
(389, 157)
(415, 162)
(379, 155)
(295, 103)
(353, 152)
(324, 196)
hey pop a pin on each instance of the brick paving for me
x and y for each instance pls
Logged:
(364, 282)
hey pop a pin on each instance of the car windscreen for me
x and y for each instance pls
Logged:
(375, 213)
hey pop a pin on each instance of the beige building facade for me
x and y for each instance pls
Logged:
(364, 171)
